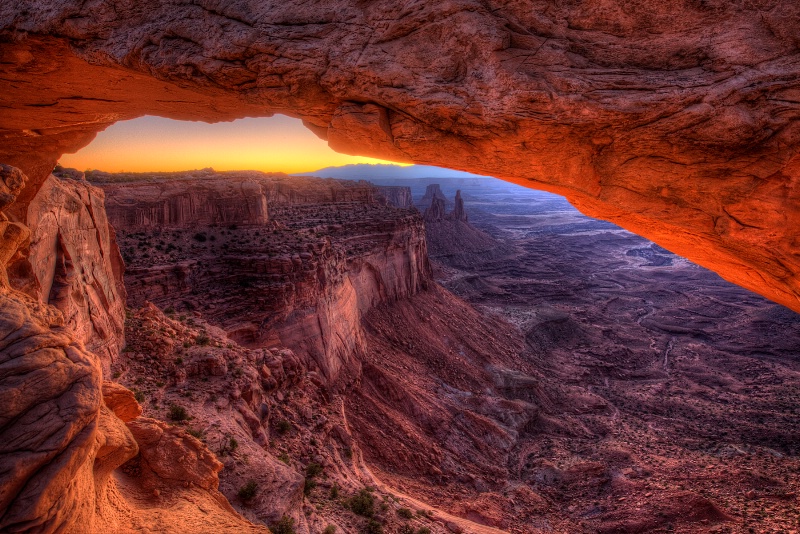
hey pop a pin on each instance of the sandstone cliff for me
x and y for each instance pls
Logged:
(458, 213)
(61, 443)
(432, 192)
(76, 264)
(397, 196)
(331, 251)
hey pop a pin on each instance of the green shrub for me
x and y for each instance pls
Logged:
(177, 413)
(248, 491)
(313, 470)
(284, 526)
(362, 503)
(309, 486)
(405, 513)
(199, 434)
(373, 527)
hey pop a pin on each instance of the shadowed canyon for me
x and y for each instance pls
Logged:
(244, 351)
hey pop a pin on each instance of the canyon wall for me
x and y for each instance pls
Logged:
(303, 278)
(395, 195)
(678, 122)
(64, 430)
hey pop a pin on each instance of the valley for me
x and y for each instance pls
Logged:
(567, 376)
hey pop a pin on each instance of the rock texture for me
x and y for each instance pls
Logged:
(75, 263)
(60, 441)
(397, 196)
(458, 213)
(331, 251)
(676, 121)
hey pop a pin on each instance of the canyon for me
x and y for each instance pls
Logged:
(677, 122)
(287, 348)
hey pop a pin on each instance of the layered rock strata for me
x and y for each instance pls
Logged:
(331, 251)
(397, 196)
(60, 441)
(75, 263)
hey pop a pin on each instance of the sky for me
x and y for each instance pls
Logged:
(277, 144)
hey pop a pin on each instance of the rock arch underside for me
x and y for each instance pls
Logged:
(675, 120)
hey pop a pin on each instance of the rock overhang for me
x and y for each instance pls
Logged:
(676, 122)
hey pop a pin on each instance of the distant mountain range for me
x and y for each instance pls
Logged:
(366, 171)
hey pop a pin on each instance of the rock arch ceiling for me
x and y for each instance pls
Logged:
(676, 121)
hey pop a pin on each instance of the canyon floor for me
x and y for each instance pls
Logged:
(699, 377)
(551, 373)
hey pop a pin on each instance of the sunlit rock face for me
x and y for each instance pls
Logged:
(62, 429)
(675, 120)
(75, 263)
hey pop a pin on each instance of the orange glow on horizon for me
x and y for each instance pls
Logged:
(149, 144)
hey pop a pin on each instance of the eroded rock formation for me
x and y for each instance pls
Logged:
(641, 115)
(330, 251)
(75, 263)
(458, 213)
(397, 196)
(60, 441)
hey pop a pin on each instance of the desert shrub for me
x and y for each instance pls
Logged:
(228, 446)
(138, 395)
(284, 526)
(362, 503)
(200, 237)
(248, 491)
(424, 530)
(202, 339)
(373, 527)
(405, 529)
(283, 457)
(309, 485)
(330, 529)
(199, 434)
(335, 491)
(283, 426)
(177, 413)
(405, 513)
(313, 470)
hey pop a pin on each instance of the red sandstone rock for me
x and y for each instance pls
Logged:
(330, 251)
(59, 443)
(75, 263)
(121, 401)
(640, 115)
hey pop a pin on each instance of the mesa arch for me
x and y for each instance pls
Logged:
(678, 122)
